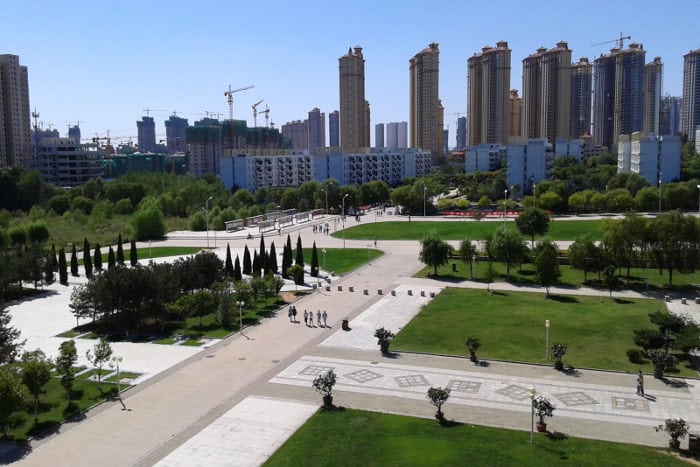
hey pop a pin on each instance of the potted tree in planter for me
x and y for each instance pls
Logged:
(662, 360)
(677, 429)
(438, 396)
(473, 344)
(558, 351)
(323, 383)
(543, 408)
(384, 337)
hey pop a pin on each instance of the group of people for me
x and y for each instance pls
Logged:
(321, 318)
(322, 228)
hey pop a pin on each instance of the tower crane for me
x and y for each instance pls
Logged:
(620, 41)
(229, 94)
(148, 111)
(255, 112)
(267, 116)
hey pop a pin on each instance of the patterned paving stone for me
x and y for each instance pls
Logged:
(314, 370)
(628, 403)
(573, 399)
(362, 376)
(514, 391)
(469, 387)
(411, 381)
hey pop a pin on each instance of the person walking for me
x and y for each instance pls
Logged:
(325, 318)
(640, 384)
(318, 317)
(294, 315)
(289, 314)
(306, 317)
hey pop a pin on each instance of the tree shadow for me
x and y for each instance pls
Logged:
(446, 278)
(13, 452)
(675, 383)
(391, 354)
(557, 435)
(449, 423)
(482, 363)
(571, 371)
(563, 298)
(622, 301)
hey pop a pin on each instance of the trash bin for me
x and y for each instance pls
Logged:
(346, 325)
(454, 267)
(693, 443)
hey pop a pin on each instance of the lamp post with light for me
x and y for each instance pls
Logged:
(660, 174)
(324, 259)
(505, 204)
(546, 340)
(425, 191)
(206, 215)
(698, 199)
(533, 393)
(240, 304)
(346, 195)
(325, 192)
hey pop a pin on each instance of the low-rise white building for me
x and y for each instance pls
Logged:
(64, 162)
(484, 157)
(529, 163)
(656, 158)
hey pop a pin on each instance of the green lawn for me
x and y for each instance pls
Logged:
(144, 253)
(510, 326)
(342, 260)
(354, 437)
(404, 230)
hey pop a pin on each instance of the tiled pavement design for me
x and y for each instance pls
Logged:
(573, 399)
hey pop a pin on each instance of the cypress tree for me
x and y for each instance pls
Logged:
(74, 263)
(120, 250)
(87, 259)
(228, 268)
(53, 260)
(287, 257)
(237, 276)
(314, 261)
(62, 267)
(272, 258)
(133, 254)
(261, 252)
(300, 253)
(97, 257)
(256, 264)
(49, 273)
(247, 267)
(111, 261)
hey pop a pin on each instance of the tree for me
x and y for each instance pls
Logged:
(111, 260)
(74, 263)
(36, 372)
(438, 396)
(97, 257)
(10, 345)
(11, 396)
(384, 337)
(585, 256)
(434, 251)
(272, 259)
(610, 278)
(67, 357)
(546, 264)
(473, 344)
(675, 242)
(228, 267)
(677, 429)
(558, 352)
(99, 357)
(300, 253)
(467, 253)
(286, 257)
(120, 250)
(533, 221)
(133, 254)
(662, 360)
(507, 246)
(314, 261)
(256, 264)
(237, 274)
(87, 260)
(49, 274)
(247, 264)
(148, 223)
(297, 273)
(262, 256)
(62, 267)
(542, 408)
(323, 384)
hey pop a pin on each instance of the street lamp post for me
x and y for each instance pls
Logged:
(533, 393)
(425, 191)
(660, 174)
(206, 215)
(546, 340)
(240, 315)
(698, 199)
(325, 192)
(346, 195)
(324, 259)
(505, 203)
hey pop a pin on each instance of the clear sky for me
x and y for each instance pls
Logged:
(103, 62)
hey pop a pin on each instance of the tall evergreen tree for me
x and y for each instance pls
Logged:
(300, 253)
(54, 259)
(256, 264)
(247, 265)
(87, 259)
(287, 257)
(74, 263)
(237, 275)
(261, 252)
(111, 260)
(228, 268)
(10, 345)
(97, 257)
(49, 273)
(62, 267)
(314, 261)
(133, 254)
(120, 250)
(272, 259)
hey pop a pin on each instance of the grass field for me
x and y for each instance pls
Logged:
(144, 253)
(354, 437)
(404, 230)
(510, 325)
(342, 260)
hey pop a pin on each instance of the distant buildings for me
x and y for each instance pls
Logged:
(484, 157)
(529, 162)
(515, 106)
(298, 133)
(461, 132)
(656, 158)
(397, 135)
(653, 73)
(488, 94)
(176, 134)
(354, 109)
(64, 162)
(690, 114)
(581, 92)
(425, 109)
(334, 129)
(317, 130)
(379, 135)
(15, 123)
(670, 115)
(146, 134)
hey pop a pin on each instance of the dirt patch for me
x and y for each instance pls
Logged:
(288, 297)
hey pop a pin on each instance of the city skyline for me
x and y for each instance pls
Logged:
(99, 65)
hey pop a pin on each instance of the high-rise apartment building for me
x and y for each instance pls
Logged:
(15, 123)
(546, 110)
(424, 104)
(146, 134)
(74, 133)
(298, 132)
(334, 129)
(653, 72)
(670, 115)
(488, 95)
(354, 109)
(618, 97)
(317, 130)
(176, 134)
(690, 113)
(461, 132)
(581, 93)
(397, 135)
(379, 135)
(515, 106)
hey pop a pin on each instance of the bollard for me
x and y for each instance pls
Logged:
(684, 301)
(432, 294)
(393, 293)
(351, 288)
(410, 292)
(380, 292)
(366, 292)
(340, 288)
(422, 293)
(328, 288)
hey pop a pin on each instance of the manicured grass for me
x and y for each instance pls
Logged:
(69, 334)
(354, 437)
(165, 341)
(474, 230)
(510, 325)
(53, 406)
(123, 375)
(639, 277)
(193, 342)
(145, 253)
(342, 260)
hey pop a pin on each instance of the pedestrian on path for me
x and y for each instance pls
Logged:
(318, 317)
(325, 318)
(640, 384)
(294, 314)
(289, 314)
(306, 317)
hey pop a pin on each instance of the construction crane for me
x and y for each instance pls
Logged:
(148, 111)
(255, 113)
(267, 116)
(620, 41)
(229, 94)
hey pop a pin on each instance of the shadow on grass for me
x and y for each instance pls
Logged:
(449, 423)
(499, 293)
(43, 426)
(622, 301)
(446, 278)
(563, 298)
(557, 435)
(14, 452)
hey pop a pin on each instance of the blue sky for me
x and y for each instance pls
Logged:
(103, 62)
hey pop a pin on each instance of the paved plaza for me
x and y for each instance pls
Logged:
(234, 401)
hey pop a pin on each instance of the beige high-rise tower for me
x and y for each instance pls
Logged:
(424, 105)
(581, 92)
(546, 108)
(354, 109)
(653, 72)
(690, 107)
(15, 123)
(514, 114)
(488, 95)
